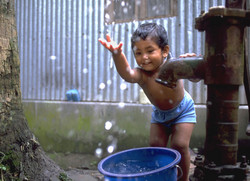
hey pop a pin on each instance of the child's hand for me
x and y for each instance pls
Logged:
(111, 45)
(190, 55)
(187, 55)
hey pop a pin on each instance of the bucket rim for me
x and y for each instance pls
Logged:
(170, 165)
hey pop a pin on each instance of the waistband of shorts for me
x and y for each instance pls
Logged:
(174, 108)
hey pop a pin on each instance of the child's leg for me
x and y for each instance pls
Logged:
(158, 135)
(181, 134)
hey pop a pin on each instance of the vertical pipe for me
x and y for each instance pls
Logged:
(222, 124)
(224, 74)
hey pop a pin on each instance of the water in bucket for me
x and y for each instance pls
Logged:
(150, 163)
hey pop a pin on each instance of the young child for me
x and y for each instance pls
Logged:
(173, 108)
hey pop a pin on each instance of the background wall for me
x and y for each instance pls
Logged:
(59, 49)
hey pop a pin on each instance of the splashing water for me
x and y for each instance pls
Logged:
(109, 82)
(85, 70)
(110, 148)
(89, 56)
(52, 57)
(123, 86)
(125, 10)
(107, 16)
(134, 166)
(98, 152)
(108, 125)
(121, 105)
(102, 86)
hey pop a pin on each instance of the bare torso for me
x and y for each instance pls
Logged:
(163, 97)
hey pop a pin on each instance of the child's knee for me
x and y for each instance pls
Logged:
(157, 142)
(182, 148)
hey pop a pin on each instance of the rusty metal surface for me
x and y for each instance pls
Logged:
(181, 68)
(219, 14)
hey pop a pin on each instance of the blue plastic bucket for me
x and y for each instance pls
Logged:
(147, 164)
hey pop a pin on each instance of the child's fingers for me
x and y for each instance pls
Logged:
(119, 46)
(187, 55)
(101, 41)
(108, 38)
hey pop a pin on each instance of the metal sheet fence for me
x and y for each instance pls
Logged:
(59, 49)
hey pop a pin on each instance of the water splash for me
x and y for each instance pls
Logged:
(107, 17)
(108, 125)
(109, 82)
(121, 105)
(110, 148)
(98, 152)
(52, 57)
(89, 56)
(123, 86)
(102, 86)
(85, 70)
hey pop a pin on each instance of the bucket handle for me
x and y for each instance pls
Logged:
(179, 171)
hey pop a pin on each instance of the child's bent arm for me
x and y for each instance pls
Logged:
(121, 63)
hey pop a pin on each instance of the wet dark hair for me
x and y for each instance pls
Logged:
(150, 30)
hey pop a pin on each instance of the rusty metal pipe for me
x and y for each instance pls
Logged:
(181, 68)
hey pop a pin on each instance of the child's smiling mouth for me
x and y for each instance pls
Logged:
(146, 62)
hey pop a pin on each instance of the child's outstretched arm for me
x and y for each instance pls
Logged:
(121, 63)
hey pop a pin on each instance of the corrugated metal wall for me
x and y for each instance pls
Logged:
(59, 49)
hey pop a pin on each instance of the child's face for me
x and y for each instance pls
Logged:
(149, 56)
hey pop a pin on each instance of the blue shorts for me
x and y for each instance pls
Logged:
(183, 113)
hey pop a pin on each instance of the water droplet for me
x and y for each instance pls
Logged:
(98, 152)
(121, 105)
(132, 72)
(134, 48)
(89, 56)
(109, 82)
(108, 125)
(102, 86)
(85, 70)
(110, 149)
(125, 10)
(123, 86)
(52, 57)
(107, 16)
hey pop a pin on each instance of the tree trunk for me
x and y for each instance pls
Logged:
(21, 156)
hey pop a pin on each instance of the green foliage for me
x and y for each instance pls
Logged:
(64, 177)
(9, 164)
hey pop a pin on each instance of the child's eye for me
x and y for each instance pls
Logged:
(137, 53)
(150, 51)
